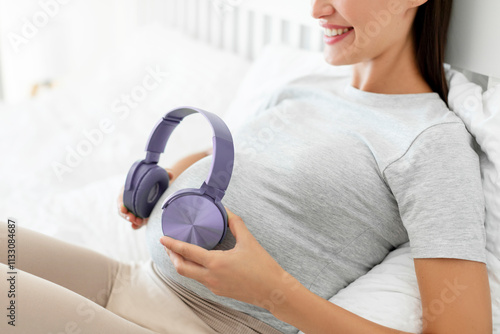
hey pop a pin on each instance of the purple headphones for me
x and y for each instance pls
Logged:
(194, 215)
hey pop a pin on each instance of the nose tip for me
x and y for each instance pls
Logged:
(321, 8)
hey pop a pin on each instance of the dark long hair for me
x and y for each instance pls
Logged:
(430, 30)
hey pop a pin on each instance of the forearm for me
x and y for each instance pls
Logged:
(296, 305)
(180, 166)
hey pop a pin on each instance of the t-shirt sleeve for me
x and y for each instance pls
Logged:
(437, 185)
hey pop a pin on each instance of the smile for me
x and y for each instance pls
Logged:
(335, 32)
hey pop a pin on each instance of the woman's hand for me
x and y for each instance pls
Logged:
(136, 222)
(246, 273)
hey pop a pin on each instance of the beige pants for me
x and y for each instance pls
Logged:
(63, 288)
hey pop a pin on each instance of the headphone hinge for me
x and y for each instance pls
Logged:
(215, 193)
(152, 157)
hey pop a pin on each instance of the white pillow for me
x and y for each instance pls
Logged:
(388, 294)
(481, 114)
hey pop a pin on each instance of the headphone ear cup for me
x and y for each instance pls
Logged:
(149, 190)
(193, 218)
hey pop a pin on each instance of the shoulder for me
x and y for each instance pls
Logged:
(433, 131)
(446, 140)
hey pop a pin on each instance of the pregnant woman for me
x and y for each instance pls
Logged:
(349, 170)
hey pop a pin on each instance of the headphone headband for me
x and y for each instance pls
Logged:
(223, 148)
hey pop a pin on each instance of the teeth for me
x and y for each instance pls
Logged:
(334, 32)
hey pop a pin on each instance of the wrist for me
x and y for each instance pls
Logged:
(278, 296)
(292, 302)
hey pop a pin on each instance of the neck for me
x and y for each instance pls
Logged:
(394, 72)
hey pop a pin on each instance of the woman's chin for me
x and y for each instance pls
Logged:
(336, 60)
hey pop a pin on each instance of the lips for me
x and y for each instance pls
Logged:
(331, 30)
(335, 33)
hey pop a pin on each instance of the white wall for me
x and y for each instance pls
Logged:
(44, 40)
(474, 37)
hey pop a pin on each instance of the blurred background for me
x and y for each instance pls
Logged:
(45, 43)
(83, 82)
(49, 42)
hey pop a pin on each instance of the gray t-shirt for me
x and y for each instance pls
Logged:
(329, 179)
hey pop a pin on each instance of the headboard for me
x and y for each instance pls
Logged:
(246, 26)
(239, 26)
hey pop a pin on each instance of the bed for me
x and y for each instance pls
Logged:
(66, 153)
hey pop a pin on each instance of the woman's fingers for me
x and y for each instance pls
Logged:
(138, 225)
(230, 214)
(124, 213)
(187, 268)
(237, 226)
(188, 260)
(188, 251)
(123, 208)
(136, 222)
(139, 222)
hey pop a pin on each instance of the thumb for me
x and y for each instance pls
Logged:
(237, 226)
